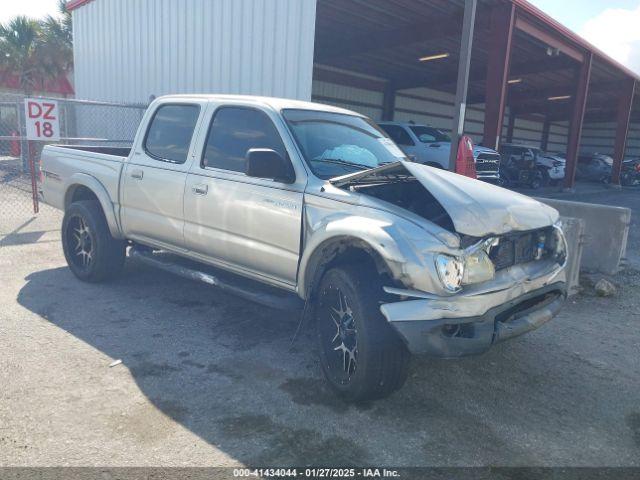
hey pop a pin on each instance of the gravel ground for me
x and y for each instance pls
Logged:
(207, 379)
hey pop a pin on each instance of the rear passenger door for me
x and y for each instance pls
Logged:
(249, 225)
(153, 180)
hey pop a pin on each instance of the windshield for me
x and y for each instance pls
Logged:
(430, 134)
(335, 144)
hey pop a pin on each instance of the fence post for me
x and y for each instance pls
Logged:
(34, 183)
(22, 127)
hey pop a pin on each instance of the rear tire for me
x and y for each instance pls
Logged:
(361, 355)
(92, 254)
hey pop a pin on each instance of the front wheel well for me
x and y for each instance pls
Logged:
(77, 193)
(344, 251)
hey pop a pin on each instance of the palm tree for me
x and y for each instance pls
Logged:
(57, 41)
(36, 51)
(19, 51)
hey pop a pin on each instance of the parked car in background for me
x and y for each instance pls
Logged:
(630, 174)
(552, 166)
(594, 167)
(430, 146)
(324, 214)
(519, 166)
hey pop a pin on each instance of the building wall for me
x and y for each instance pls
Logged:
(423, 105)
(259, 47)
(600, 138)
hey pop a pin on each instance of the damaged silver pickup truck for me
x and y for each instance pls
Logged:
(295, 204)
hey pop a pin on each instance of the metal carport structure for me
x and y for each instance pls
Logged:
(523, 65)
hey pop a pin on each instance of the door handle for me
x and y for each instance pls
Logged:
(200, 189)
(137, 174)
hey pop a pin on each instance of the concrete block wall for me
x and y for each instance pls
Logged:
(605, 235)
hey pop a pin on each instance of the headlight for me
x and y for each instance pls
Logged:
(478, 268)
(450, 270)
(559, 246)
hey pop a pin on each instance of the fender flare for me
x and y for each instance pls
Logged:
(93, 184)
(346, 231)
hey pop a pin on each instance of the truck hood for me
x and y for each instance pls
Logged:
(477, 149)
(476, 208)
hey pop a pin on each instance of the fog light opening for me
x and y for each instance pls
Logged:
(461, 330)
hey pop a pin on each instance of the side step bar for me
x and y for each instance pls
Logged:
(244, 288)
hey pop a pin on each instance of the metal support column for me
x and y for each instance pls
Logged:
(389, 102)
(464, 65)
(546, 128)
(511, 126)
(625, 104)
(501, 35)
(577, 117)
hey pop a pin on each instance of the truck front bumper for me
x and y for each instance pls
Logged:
(444, 328)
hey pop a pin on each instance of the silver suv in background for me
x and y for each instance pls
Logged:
(430, 146)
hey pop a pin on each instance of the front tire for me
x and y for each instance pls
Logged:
(361, 355)
(536, 181)
(92, 254)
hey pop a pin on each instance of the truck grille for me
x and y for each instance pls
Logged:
(488, 162)
(518, 248)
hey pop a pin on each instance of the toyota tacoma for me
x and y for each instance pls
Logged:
(303, 206)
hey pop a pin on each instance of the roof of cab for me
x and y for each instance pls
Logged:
(271, 102)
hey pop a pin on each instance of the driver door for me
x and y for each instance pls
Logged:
(249, 225)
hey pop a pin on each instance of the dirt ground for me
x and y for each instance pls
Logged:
(207, 379)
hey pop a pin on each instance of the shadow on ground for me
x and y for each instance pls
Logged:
(226, 370)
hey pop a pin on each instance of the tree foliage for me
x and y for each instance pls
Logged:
(35, 51)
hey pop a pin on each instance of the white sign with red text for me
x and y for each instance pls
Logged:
(43, 119)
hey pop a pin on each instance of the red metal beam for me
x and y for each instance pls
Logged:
(577, 117)
(501, 36)
(550, 39)
(625, 104)
(73, 4)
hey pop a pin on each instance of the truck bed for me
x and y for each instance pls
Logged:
(66, 165)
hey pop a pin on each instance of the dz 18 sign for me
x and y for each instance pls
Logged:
(43, 120)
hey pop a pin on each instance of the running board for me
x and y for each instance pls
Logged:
(244, 288)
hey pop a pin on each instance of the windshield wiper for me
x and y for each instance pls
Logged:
(339, 161)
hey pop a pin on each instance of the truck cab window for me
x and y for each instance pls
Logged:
(398, 134)
(233, 132)
(170, 132)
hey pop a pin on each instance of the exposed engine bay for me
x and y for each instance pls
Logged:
(410, 195)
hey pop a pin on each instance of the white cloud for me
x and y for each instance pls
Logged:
(615, 31)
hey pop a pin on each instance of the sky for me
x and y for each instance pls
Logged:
(611, 25)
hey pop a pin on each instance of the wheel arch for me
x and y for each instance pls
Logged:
(340, 250)
(86, 187)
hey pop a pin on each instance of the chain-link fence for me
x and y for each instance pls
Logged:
(81, 123)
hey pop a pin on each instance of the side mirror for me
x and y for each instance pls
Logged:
(267, 163)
